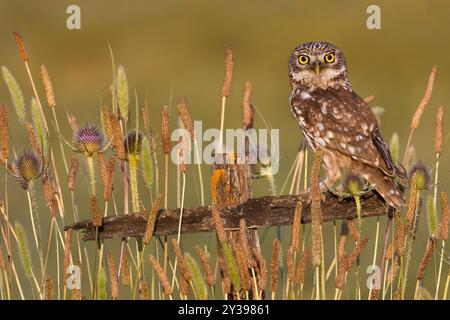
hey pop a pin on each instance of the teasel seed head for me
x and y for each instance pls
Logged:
(354, 184)
(27, 167)
(165, 135)
(229, 63)
(21, 46)
(421, 173)
(89, 139)
(49, 93)
(133, 143)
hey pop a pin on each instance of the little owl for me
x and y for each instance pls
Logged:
(334, 118)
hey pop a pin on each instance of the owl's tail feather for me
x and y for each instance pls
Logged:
(390, 191)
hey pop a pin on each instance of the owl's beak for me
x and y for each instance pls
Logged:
(317, 68)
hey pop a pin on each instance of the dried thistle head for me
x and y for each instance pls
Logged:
(421, 174)
(133, 143)
(89, 140)
(27, 167)
(354, 184)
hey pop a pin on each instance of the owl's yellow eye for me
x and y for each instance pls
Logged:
(303, 60)
(329, 57)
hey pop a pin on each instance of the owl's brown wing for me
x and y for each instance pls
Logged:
(338, 119)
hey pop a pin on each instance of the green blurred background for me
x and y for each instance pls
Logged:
(180, 45)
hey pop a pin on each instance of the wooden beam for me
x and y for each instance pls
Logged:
(258, 212)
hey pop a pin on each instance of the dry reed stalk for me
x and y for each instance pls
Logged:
(218, 224)
(186, 117)
(48, 288)
(247, 110)
(445, 215)
(67, 253)
(96, 216)
(125, 269)
(151, 220)
(275, 266)
(49, 93)
(184, 270)
(74, 165)
(229, 63)
(439, 130)
(161, 276)
(301, 268)
(209, 274)
(165, 134)
(429, 251)
(245, 244)
(353, 230)
(21, 47)
(4, 132)
(113, 276)
(316, 210)
(296, 225)
(262, 269)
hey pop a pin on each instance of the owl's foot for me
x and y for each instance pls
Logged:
(342, 195)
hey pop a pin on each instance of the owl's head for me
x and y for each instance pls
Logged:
(317, 65)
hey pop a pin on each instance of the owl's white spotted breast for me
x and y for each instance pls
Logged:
(338, 120)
